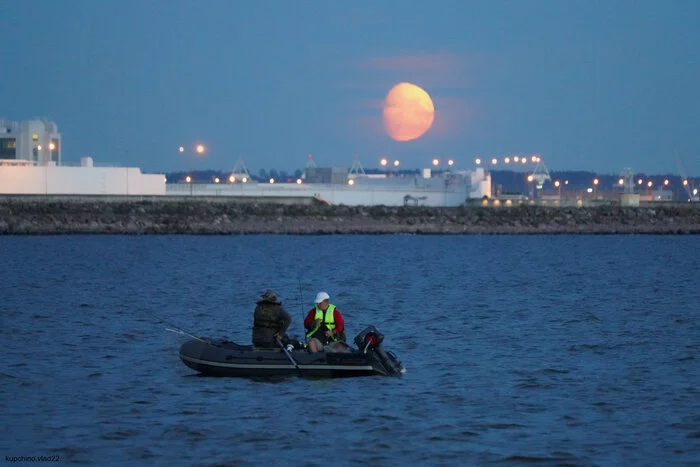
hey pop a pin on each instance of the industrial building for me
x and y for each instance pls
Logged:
(31, 163)
(36, 141)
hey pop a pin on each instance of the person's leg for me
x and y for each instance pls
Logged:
(336, 347)
(315, 345)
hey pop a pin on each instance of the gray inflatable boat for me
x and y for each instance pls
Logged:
(226, 358)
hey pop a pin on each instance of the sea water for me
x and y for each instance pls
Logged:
(579, 350)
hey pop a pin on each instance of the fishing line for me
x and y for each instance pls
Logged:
(177, 329)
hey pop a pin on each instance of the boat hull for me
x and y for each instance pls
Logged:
(224, 358)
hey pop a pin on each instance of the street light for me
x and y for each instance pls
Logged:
(436, 162)
(450, 162)
(199, 149)
(557, 184)
(477, 161)
(188, 179)
(595, 184)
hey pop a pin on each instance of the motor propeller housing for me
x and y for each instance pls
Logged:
(369, 338)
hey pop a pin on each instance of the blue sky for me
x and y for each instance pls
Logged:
(589, 85)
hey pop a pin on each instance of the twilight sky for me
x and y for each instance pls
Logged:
(589, 85)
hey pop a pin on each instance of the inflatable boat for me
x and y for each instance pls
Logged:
(226, 358)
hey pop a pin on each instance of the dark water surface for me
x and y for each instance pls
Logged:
(579, 350)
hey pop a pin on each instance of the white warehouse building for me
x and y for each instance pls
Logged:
(31, 163)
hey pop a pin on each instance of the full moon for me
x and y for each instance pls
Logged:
(408, 112)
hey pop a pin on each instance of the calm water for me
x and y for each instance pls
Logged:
(580, 350)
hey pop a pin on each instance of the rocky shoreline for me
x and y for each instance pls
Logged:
(226, 217)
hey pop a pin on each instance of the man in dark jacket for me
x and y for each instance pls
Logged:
(270, 322)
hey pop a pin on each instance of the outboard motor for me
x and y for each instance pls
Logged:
(369, 339)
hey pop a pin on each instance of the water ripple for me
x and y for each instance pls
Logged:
(568, 360)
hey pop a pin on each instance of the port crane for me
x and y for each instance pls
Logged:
(692, 191)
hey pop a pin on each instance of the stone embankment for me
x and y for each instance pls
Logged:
(211, 217)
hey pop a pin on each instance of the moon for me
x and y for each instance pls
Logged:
(408, 112)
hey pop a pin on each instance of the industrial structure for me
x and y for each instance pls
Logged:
(34, 141)
(340, 185)
(31, 164)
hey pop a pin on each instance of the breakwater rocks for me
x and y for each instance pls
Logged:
(229, 217)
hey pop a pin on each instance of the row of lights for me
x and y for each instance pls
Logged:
(52, 146)
(199, 149)
(621, 181)
(515, 160)
(384, 162)
(231, 179)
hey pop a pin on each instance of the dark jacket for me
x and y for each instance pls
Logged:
(270, 318)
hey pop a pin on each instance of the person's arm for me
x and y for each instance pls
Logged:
(309, 320)
(339, 323)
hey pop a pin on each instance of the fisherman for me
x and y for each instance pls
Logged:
(270, 322)
(325, 328)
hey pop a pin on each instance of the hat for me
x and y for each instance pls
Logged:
(321, 296)
(269, 296)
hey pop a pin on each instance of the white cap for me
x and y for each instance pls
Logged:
(321, 296)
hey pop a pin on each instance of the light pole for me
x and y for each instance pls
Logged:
(383, 162)
(595, 185)
(199, 149)
(188, 180)
(558, 185)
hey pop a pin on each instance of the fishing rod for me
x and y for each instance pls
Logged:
(177, 329)
(301, 303)
(289, 356)
(301, 297)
